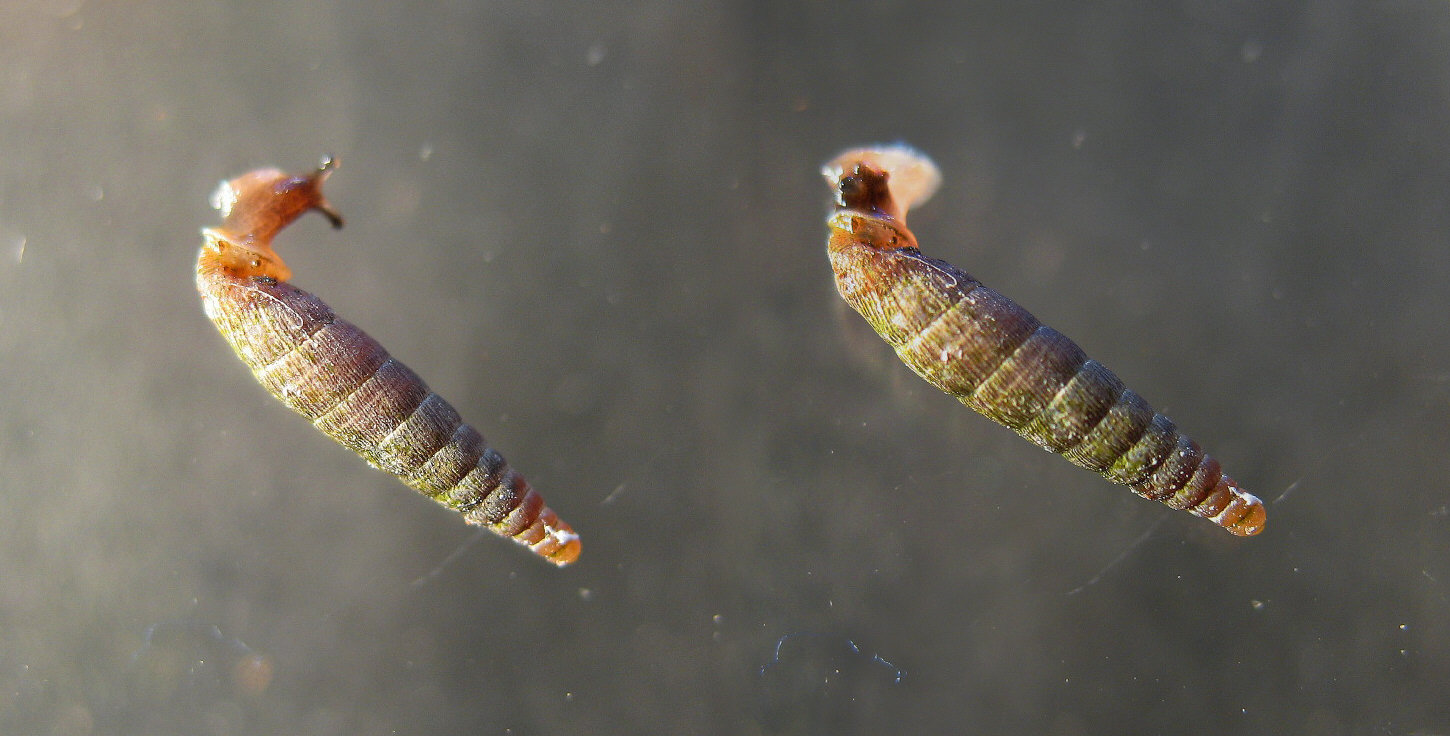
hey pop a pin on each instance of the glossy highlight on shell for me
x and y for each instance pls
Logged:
(981, 347)
(344, 381)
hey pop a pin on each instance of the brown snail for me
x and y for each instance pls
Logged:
(341, 379)
(994, 356)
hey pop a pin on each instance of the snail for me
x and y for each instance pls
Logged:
(344, 381)
(994, 356)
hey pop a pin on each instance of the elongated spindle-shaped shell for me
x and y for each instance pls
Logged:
(342, 380)
(993, 355)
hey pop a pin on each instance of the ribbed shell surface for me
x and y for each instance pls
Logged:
(350, 388)
(979, 346)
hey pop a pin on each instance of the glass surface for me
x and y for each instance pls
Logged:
(598, 229)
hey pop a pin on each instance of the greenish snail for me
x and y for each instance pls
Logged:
(994, 356)
(344, 381)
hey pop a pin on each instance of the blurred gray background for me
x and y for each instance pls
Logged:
(598, 229)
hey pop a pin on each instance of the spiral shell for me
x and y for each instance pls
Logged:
(994, 356)
(342, 380)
